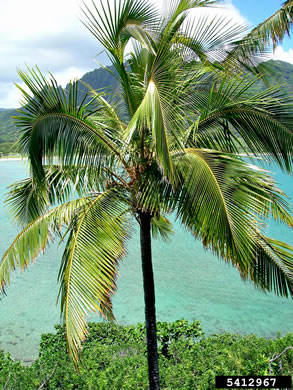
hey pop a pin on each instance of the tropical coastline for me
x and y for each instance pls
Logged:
(183, 290)
(147, 183)
(13, 158)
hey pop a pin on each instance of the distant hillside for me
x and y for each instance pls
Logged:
(97, 79)
(101, 79)
(281, 74)
(8, 131)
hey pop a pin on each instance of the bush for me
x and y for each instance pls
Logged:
(114, 357)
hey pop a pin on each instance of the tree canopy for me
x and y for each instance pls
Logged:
(174, 141)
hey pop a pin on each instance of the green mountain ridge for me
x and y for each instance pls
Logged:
(101, 79)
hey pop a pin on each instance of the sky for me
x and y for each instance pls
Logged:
(49, 34)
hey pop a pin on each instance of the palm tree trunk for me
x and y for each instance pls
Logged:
(149, 299)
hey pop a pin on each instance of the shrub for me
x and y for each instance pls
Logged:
(114, 357)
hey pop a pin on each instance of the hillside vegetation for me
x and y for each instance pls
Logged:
(114, 357)
(101, 79)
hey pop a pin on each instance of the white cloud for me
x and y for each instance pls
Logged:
(23, 20)
(224, 9)
(49, 34)
(283, 55)
(43, 33)
(67, 74)
(9, 95)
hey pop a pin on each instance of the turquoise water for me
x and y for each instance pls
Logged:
(191, 283)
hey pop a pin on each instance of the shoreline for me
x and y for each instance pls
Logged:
(13, 158)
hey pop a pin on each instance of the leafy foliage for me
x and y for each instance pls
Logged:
(94, 248)
(98, 79)
(172, 141)
(278, 73)
(114, 357)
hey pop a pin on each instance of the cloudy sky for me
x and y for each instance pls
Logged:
(50, 35)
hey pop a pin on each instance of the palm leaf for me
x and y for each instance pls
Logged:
(53, 125)
(273, 267)
(150, 115)
(107, 113)
(220, 201)
(175, 14)
(161, 227)
(209, 39)
(255, 46)
(275, 28)
(27, 200)
(33, 239)
(262, 122)
(111, 26)
(90, 264)
(115, 27)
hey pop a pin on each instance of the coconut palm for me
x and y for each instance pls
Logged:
(171, 142)
(277, 26)
(265, 36)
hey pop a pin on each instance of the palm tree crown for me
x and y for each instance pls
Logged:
(171, 142)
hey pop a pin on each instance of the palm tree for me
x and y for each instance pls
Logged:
(173, 146)
(266, 35)
(276, 27)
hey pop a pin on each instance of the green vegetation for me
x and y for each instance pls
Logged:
(169, 143)
(8, 132)
(114, 357)
(99, 79)
(280, 73)
(6, 148)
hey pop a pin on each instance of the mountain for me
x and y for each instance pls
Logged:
(97, 79)
(8, 131)
(281, 73)
(102, 79)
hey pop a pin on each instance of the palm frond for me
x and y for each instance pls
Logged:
(53, 125)
(115, 27)
(161, 227)
(206, 204)
(209, 39)
(174, 15)
(262, 122)
(223, 202)
(107, 114)
(89, 266)
(33, 239)
(27, 199)
(273, 267)
(275, 28)
(151, 116)
(255, 46)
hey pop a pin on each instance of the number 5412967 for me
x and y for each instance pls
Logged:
(251, 382)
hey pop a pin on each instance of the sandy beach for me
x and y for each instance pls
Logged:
(13, 158)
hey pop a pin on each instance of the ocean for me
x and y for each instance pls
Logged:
(191, 283)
